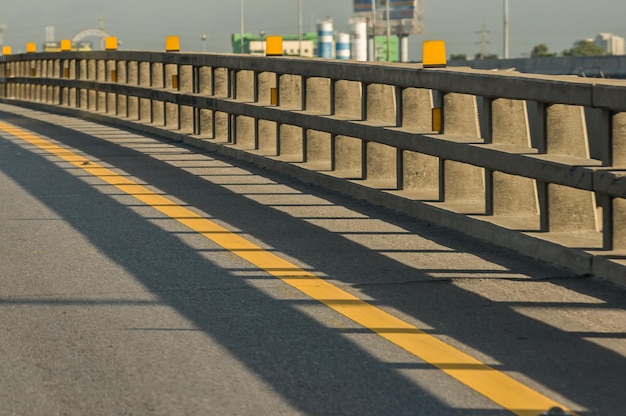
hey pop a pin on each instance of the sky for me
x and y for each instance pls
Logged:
(144, 24)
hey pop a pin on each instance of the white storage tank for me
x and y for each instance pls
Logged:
(342, 46)
(325, 39)
(359, 39)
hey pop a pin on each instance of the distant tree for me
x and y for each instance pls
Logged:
(585, 48)
(458, 57)
(486, 56)
(541, 50)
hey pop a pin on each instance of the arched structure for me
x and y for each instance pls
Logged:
(97, 33)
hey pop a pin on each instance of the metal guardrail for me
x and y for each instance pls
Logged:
(536, 163)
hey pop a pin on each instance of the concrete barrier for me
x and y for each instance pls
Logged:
(534, 163)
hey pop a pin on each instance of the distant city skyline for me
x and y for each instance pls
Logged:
(144, 24)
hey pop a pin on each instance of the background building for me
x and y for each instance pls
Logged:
(612, 44)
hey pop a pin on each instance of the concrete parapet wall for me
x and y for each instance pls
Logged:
(540, 161)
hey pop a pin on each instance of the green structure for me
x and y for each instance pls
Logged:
(238, 40)
(249, 37)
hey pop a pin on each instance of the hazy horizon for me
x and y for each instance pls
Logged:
(144, 24)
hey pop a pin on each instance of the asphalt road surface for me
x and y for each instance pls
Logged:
(141, 277)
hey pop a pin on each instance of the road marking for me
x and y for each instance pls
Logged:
(491, 383)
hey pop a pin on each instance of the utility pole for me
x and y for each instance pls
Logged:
(483, 40)
(506, 30)
(241, 27)
(388, 33)
(374, 30)
(300, 27)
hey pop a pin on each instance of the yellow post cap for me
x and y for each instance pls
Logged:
(31, 47)
(274, 46)
(172, 44)
(6, 50)
(110, 43)
(434, 54)
(66, 45)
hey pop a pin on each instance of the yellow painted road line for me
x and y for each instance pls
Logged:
(491, 383)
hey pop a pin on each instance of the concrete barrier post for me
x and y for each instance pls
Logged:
(205, 87)
(346, 103)
(72, 101)
(619, 224)
(617, 220)
(111, 75)
(185, 78)
(37, 74)
(266, 132)
(56, 90)
(416, 111)
(221, 83)
(171, 109)
(290, 138)
(121, 78)
(101, 76)
(65, 91)
(132, 78)
(92, 76)
(44, 88)
(463, 184)
(511, 196)
(222, 89)
(82, 92)
(419, 172)
(381, 160)
(158, 107)
(618, 139)
(245, 126)
(145, 104)
(347, 99)
(569, 209)
(317, 96)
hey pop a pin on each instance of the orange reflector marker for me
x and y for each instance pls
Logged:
(274, 46)
(437, 120)
(66, 45)
(113, 75)
(31, 47)
(274, 96)
(172, 44)
(6, 50)
(110, 43)
(434, 54)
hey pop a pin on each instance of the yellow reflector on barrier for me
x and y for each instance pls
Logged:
(274, 46)
(66, 45)
(31, 47)
(110, 43)
(6, 50)
(274, 96)
(434, 54)
(113, 75)
(172, 44)
(437, 119)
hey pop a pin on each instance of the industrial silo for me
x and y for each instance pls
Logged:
(325, 39)
(342, 46)
(359, 39)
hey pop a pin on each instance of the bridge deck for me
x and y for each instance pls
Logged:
(138, 276)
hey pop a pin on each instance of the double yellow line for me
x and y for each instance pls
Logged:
(491, 383)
